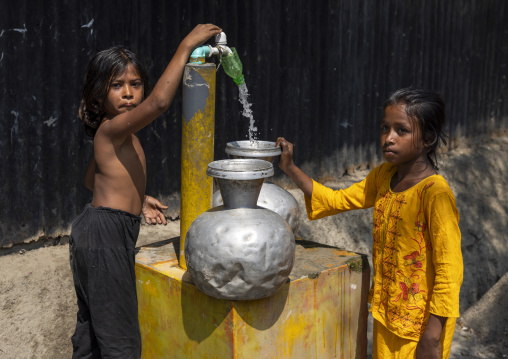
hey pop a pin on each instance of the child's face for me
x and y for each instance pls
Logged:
(125, 92)
(401, 140)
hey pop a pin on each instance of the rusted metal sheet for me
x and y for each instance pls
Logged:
(317, 73)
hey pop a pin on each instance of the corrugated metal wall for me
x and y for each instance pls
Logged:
(317, 72)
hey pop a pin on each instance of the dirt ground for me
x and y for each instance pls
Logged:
(38, 305)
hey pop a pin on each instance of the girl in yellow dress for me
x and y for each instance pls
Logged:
(416, 255)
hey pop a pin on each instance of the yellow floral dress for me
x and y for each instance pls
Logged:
(416, 252)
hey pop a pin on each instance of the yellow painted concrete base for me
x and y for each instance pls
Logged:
(321, 312)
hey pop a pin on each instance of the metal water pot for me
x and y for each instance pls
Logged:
(271, 196)
(239, 251)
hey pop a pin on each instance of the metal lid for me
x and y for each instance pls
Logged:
(253, 149)
(240, 169)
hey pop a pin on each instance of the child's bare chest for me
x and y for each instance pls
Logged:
(131, 153)
(124, 162)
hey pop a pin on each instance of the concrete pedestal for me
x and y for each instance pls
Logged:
(321, 311)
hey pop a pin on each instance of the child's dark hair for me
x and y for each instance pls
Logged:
(101, 71)
(428, 109)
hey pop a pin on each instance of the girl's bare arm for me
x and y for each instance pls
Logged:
(286, 164)
(164, 91)
(429, 346)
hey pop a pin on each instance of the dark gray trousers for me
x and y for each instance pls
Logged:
(101, 245)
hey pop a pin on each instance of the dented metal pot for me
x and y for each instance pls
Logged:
(239, 251)
(274, 198)
(271, 196)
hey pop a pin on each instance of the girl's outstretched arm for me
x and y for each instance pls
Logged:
(286, 164)
(164, 91)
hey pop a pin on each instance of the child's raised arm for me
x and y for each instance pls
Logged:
(286, 164)
(164, 91)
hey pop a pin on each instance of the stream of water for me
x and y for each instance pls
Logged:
(247, 111)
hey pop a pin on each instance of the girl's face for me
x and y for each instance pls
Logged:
(125, 92)
(401, 140)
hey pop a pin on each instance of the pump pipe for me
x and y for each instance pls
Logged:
(198, 131)
(200, 53)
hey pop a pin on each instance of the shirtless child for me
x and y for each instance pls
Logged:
(116, 104)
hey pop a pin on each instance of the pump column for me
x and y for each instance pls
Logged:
(198, 127)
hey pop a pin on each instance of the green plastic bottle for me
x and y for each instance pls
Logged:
(233, 67)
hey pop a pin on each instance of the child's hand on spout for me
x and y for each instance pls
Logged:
(286, 157)
(200, 34)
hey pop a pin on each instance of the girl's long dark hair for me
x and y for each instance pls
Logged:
(428, 109)
(101, 70)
